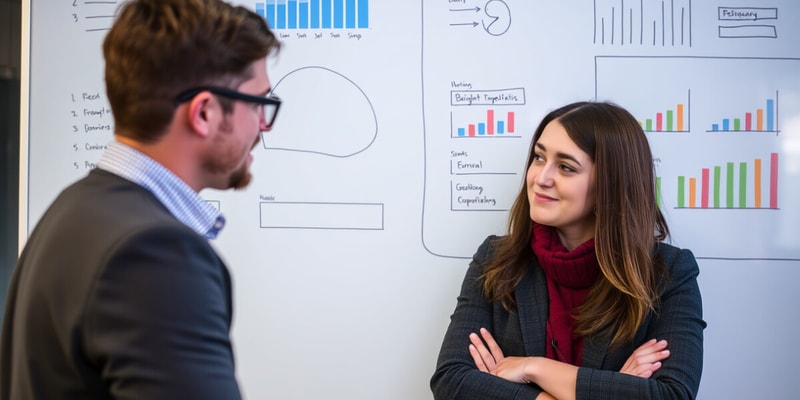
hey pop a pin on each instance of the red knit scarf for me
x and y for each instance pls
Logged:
(569, 276)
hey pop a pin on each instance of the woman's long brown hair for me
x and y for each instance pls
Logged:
(629, 224)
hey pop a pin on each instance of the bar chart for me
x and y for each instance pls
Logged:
(493, 124)
(762, 119)
(672, 120)
(315, 14)
(732, 186)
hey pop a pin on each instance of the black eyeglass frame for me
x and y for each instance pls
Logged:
(269, 100)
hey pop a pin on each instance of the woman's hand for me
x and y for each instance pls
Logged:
(555, 378)
(646, 359)
(486, 355)
(489, 358)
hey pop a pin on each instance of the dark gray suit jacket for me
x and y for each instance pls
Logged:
(114, 298)
(522, 333)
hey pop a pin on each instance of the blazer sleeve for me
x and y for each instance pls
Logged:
(679, 320)
(456, 376)
(157, 321)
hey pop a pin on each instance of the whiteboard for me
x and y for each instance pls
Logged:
(401, 145)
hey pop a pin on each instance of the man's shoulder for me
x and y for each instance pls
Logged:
(103, 191)
(98, 216)
(103, 205)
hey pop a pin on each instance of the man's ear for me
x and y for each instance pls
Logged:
(202, 110)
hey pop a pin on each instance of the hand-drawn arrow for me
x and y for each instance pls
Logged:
(476, 9)
(474, 24)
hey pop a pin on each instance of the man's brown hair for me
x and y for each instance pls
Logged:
(157, 49)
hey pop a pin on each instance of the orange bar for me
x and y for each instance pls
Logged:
(760, 119)
(692, 192)
(680, 117)
(490, 122)
(757, 183)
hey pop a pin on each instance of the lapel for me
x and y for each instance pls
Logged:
(533, 306)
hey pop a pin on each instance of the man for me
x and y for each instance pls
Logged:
(117, 294)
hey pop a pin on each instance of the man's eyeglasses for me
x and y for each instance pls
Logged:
(270, 103)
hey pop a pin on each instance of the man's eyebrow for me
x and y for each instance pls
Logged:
(560, 154)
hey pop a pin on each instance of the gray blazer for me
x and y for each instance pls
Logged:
(521, 332)
(113, 297)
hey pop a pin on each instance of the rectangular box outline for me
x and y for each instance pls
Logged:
(721, 18)
(481, 103)
(377, 225)
(749, 31)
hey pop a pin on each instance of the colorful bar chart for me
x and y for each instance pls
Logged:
(490, 126)
(315, 14)
(764, 119)
(671, 120)
(739, 180)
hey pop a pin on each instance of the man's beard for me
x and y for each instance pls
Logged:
(218, 163)
(240, 178)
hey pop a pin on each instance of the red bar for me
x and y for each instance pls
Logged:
(471, 129)
(659, 121)
(748, 121)
(490, 122)
(704, 189)
(773, 181)
(510, 122)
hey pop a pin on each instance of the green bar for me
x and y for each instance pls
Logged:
(658, 191)
(729, 188)
(717, 182)
(669, 120)
(742, 185)
(737, 124)
(648, 125)
(681, 184)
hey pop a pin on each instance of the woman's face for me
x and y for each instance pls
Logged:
(560, 185)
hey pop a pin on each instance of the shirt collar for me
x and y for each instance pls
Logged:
(180, 199)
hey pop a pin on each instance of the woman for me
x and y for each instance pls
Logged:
(581, 299)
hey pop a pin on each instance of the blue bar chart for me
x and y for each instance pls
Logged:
(315, 14)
